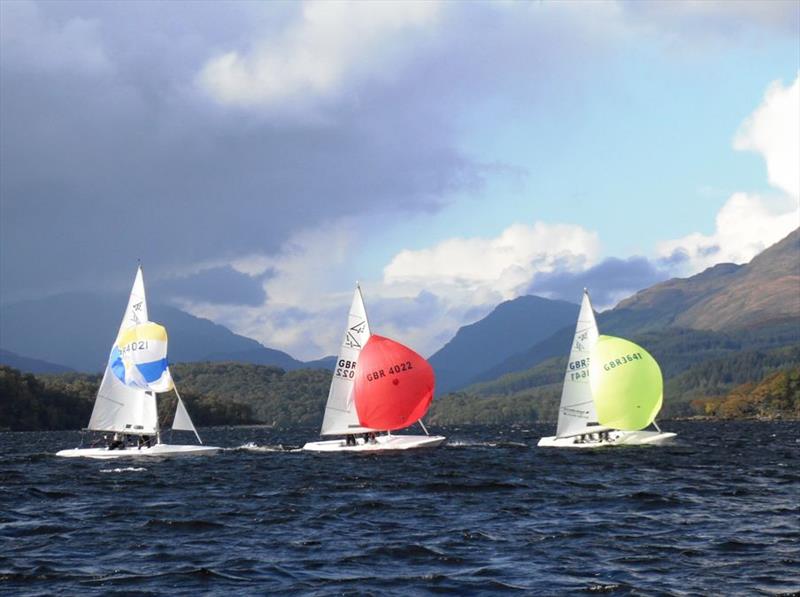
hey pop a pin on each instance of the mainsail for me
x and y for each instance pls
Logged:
(136, 369)
(394, 385)
(119, 407)
(340, 412)
(626, 384)
(576, 414)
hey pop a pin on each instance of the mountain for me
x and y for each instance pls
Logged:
(29, 365)
(510, 328)
(77, 330)
(740, 307)
(727, 296)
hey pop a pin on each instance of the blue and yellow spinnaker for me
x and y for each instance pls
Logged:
(139, 358)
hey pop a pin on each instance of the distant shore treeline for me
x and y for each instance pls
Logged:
(750, 385)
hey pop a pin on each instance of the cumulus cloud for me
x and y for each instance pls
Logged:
(331, 42)
(422, 298)
(129, 156)
(494, 268)
(748, 223)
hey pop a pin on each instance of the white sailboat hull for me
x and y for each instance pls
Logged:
(383, 443)
(133, 452)
(616, 438)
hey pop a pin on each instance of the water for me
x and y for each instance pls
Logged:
(715, 513)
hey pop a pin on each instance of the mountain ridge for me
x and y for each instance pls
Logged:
(76, 330)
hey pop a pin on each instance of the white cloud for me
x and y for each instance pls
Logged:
(308, 287)
(422, 299)
(494, 267)
(748, 223)
(774, 131)
(331, 43)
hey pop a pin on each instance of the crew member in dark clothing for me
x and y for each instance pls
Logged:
(350, 440)
(116, 443)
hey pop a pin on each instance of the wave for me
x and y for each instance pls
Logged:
(479, 444)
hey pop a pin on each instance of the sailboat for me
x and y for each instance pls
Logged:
(612, 391)
(125, 406)
(378, 386)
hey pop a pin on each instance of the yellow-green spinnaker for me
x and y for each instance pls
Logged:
(626, 381)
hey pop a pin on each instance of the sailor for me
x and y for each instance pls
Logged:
(116, 443)
(371, 437)
(350, 440)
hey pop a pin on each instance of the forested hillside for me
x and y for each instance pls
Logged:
(777, 396)
(215, 394)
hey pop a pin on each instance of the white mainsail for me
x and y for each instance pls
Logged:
(340, 411)
(118, 407)
(577, 411)
(126, 409)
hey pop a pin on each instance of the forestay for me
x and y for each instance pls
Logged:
(576, 413)
(340, 412)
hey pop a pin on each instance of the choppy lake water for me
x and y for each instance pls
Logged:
(717, 512)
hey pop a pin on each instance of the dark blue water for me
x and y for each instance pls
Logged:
(718, 513)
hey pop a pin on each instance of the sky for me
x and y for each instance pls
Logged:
(260, 158)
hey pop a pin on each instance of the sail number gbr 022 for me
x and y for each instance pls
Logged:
(345, 369)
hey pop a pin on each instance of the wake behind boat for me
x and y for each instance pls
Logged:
(378, 386)
(125, 407)
(612, 391)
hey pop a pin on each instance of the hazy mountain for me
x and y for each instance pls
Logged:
(733, 307)
(28, 365)
(77, 330)
(510, 328)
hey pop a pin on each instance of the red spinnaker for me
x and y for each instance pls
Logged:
(393, 385)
